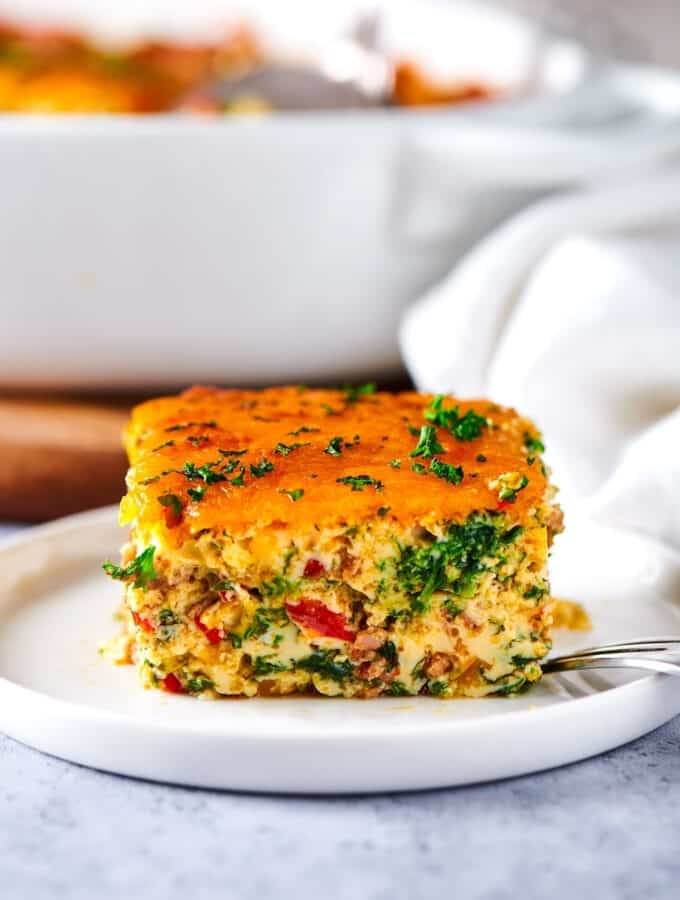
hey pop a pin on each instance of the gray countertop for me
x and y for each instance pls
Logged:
(609, 826)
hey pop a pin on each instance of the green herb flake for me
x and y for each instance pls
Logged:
(533, 443)
(395, 463)
(398, 689)
(354, 393)
(383, 510)
(285, 449)
(419, 468)
(437, 688)
(294, 495)
(452, 474)
(303, 429)
(464, 428)
(508, 485)
(329, 411)
(235, 639)
(196, 493)
(334, 447)
(260, 469)
(325, 663)
(428, 444)
(184, 425)
(480, 457)
(263, 667)
(388, 651)
(205, 472)
(173, 502)
(238, 480)
(167, 617)
(141, 569)
(162, 446)
(198, 684)
(359, 482)
(232, 452)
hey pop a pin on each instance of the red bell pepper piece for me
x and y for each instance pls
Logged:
(213, 634)
(172, 684)
(314, 615)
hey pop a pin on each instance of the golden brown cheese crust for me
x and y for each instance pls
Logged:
(167, 433)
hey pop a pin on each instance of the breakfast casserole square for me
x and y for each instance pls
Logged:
(346, 542)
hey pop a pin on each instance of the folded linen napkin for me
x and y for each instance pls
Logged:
(571, 313)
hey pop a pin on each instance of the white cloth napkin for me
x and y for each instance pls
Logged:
(570, 312)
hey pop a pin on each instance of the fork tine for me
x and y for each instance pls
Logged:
(610, 661)
(645, 646)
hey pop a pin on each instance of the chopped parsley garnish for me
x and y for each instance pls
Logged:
(354, 393)
(183, 425)
(413, 430)
(263, 667)
(463, 428)
(229, 467)
(508, 485)
(395, 463)
(262, 621)
(162, 446)
(453, 607)
(519, 660)
(383, 510)
(419, 468)
(285, 449)
(533, 444)
(141, 569)
(389, 652)
(329, 410)
(278, 586)
(436, 688)
(428, 444)
(303, 429)
(167, 617)
(237, 480)
(324, 663)
(199, 439)
(173, 503)
(204, 472)
(232, 452)
(398, 689)
(454, 563)
(198, 684)
(294, 495)
(334, 447)
(452, 474)
(196, 493)
(235, 640)
(259, 470)
(480, 457)
(535, 592)
(359, 482)
(150, 480)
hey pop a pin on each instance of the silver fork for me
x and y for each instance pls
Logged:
(624, 655)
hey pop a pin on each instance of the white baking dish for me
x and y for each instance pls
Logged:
(156, 251)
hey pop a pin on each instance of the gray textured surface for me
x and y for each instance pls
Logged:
(609, 826)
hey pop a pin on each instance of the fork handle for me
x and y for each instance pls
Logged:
(610, 661)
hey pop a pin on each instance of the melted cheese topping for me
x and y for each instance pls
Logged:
(166, 434)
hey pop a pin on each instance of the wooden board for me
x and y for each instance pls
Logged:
(59, 457)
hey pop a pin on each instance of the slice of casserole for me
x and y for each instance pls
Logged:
(348, 542)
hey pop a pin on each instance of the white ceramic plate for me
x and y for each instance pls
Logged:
(59, 696)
